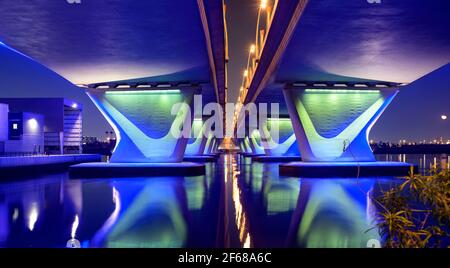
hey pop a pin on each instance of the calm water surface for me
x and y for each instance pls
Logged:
(234, 205)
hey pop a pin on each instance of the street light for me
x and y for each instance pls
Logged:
(444, 117)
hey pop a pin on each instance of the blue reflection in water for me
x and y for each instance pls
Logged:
(48, 211)
(293, 212)
(236, 204)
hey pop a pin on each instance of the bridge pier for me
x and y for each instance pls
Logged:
(243, 145)
(256, 142)
(198, 148)
(197, 144)
(280, 148)
(333, 125)
(143, 123)
(332, 128)
(212, 145)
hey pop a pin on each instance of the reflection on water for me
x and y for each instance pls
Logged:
(137, 212)
(236, 204)
(423, 161)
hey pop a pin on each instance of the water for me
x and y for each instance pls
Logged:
(423, 161)
(234, 205)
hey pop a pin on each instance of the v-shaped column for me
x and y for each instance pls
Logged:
(143, 123)
(333, 125)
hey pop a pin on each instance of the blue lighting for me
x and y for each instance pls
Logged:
(333, 125)
(143, 123)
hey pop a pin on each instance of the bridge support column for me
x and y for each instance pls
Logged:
(142, 121)
(333, 125)
(278, 141)
(212, 145)
(256, 142)
(245, 147)
(285, 144)
(197, 144)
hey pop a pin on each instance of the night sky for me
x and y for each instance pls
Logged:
(413, 115)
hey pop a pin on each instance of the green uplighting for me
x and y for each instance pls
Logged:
(342, 90)
(170, 91)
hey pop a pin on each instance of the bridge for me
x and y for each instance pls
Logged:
(134, 59)
(334, 67)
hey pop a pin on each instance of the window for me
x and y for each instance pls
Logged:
(15, 126)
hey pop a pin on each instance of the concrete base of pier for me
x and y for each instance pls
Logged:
(201, 158)
(276, 159)
(121, 170)
(345, 169)
(23, 165)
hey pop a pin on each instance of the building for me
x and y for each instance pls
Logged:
(89, 140)
(3, 126)
(59, 119)
(25, 133)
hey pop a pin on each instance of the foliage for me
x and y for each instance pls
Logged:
(415, 214)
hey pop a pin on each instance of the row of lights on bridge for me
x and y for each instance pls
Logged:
(255, 51)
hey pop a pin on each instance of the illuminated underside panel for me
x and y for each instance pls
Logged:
(334, 125)
(142, 121)
(284, 143)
